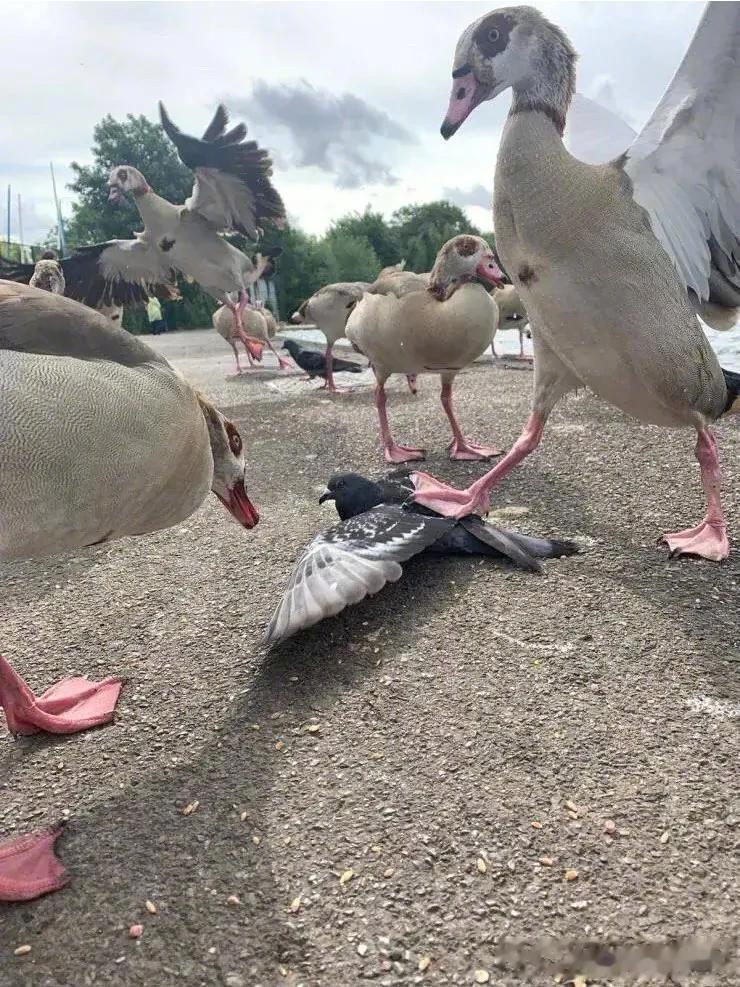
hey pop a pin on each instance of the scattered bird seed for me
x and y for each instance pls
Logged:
(136, 931)
(610, 827)
(22, 950)
(547, 861)
(536, 824)
(665, 837)
(313, 728)
(388, 872)
(424, 962)
(151, 907)
(482, 865)
(233, 899)
(295, 904)
(190, 808)
(571, 875)
(481, 976)
(362, 949)
(346, 876)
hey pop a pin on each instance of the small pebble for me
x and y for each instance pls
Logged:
(136, 931)
(233, 899)
(481, 976)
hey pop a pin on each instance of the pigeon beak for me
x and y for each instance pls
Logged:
(326, 495)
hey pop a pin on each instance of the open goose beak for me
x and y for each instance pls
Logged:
(237, 502)
(489, 271)
(467, 93)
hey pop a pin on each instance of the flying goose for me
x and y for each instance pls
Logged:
(436, 326)
(232, 192)
(379, 531)
(612, 260)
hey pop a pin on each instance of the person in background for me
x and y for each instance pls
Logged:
(154, 314)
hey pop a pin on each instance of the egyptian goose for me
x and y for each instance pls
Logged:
(100, 438)
(612, 260)
(232, 192)
(379, 531)
(259, 324)
(436, 327)
(48, 274)
(511, 313)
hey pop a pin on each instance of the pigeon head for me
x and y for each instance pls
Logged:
(352, 494)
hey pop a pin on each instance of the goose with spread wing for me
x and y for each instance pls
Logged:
(232, 191)
(613, 260)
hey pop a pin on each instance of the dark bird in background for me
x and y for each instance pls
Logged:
(314, 364)
(379, 530)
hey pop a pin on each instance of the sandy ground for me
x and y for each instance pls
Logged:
(386, 795)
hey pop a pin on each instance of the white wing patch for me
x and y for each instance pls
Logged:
(345, 564)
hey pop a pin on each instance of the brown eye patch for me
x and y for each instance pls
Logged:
(122, 174)
(235, 440)
(492, 36)
(466, 246)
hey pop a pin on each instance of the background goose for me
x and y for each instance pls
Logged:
(435, 327)
(259, 324)
(511, 314)
(379, 531)
(611, 260)
(47, 274)
(99, 438)
(232, 192)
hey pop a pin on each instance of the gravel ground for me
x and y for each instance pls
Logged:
(391, 794)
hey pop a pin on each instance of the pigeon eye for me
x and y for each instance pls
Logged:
(493, 34)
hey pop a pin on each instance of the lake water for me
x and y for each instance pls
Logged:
(725, 344)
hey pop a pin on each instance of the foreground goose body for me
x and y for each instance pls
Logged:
(99, 438)
(436, 326)
(603, 269)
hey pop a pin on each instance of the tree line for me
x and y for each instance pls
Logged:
(354, 248)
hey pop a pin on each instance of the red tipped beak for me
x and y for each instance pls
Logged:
(489, 270)
(240, 505)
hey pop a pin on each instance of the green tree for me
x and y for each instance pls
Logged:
(373, 227)
(349, 258)
(422, 229)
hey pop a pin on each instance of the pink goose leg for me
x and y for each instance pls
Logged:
(709, 539)
(69, 706)
(460, 448)
(29, 867)
(393, 452)
(450, 502)
(252, 346)
(329, 384)
(283, 364)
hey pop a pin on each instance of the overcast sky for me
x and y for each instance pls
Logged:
(348, 97)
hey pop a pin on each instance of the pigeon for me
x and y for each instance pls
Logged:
(314, 364)
(380, 528)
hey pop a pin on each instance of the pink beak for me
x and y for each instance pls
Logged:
(467, 93)
(489, 270)
(240, 505)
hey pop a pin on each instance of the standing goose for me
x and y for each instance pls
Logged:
(259, 324)
(612, 260)
(512, 314)
(439, 326)
(99, 438)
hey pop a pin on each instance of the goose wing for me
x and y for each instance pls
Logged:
(232, 189)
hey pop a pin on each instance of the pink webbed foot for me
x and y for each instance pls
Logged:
(29, 867)
(470, 452)
(707, 540)
(70, 706)
(446, 500)
(395, 453)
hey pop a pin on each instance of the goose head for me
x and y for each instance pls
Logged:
(125, 179)
(463, 258)
(511, 48)
(227, 450)
(330, 307)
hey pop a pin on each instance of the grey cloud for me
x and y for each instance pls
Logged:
(335, 133)
(477, 195)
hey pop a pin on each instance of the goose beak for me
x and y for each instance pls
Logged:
(238, 504)
(467, 93)
(489, 271)
(326, 495)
